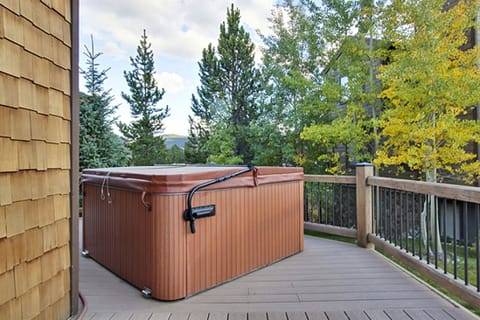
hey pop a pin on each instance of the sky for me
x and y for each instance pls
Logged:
(178, 31)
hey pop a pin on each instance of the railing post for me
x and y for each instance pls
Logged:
(364, 204)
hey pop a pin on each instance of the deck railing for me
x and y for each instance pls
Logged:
(433, 228)
(330, 204)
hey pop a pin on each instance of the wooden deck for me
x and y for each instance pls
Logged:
(328, 280)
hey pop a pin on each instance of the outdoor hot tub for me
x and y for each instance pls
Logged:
(173, 231)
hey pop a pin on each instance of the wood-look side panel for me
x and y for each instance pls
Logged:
(253, 227)
(169, 246)
(119, 234)
(135, 239)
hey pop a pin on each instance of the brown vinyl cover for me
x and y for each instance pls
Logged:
(133, 224)
(168, 179)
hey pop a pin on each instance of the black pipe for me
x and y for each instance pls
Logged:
(189, 214)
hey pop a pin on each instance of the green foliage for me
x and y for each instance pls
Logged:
(99, 146)
(317, 100)
(433, 283)
(349, 131)
(319, 87)
(203, 107)
(222, 146)
(430, 83)
(291, 72)
(195, 151)
(143, 134)
(176, 155)
(329, 236)
(226, 98)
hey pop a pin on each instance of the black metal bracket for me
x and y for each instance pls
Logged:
(198, 212)
(191, 214)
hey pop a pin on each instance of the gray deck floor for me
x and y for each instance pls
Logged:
(328, 280)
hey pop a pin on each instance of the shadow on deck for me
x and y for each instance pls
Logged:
(328, 280)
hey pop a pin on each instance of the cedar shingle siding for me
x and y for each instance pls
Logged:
(35, 145)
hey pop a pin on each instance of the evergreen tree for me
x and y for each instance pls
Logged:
(143, 133)
(239, 77)
(176, 154)
(203, 108)
(195, 150)
(226, 98)
(99, 146)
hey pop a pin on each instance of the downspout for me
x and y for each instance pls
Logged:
(74, 157)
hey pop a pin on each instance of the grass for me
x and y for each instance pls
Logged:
(460, 265)
(417, 274)
(431, 283)
(330, 236)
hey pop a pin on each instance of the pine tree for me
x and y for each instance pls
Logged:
(99, 146)
(143, 133)
(176, 155)
(203, 108)
(226, 98)
(239, 77)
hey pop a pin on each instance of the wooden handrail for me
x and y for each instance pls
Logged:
(443, 190)
(449, 191)
(330, 179)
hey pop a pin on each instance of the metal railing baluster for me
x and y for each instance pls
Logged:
(465, 242)
(445, 248)
(455, 211)
(436, 235)
(477, 244)
(420, 231)
(428, 223)
(406, 221)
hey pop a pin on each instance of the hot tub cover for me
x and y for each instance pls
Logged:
(175, 179)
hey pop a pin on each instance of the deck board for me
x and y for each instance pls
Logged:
(257, 316)
(99, 315)
(328, 280)
(237, 316)
(278, 316)
(397, 314)
(336, 315)
(316, 315)
(166, 316)
(125, 315)
(218, 316)
(356, 315)
(377, 315)
(296, 316)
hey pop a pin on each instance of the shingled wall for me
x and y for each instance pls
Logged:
(35, 161)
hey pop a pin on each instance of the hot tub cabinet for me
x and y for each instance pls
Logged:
(137, 223)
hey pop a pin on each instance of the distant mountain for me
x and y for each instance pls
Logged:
(172, 139)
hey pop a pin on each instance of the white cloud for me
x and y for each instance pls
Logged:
(177, 28)
(113, 49)
(176, 125)
(170, 81)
